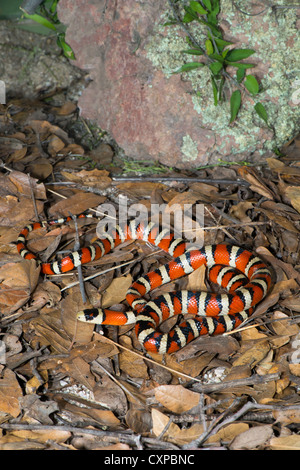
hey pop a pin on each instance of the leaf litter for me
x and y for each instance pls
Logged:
(65, 385)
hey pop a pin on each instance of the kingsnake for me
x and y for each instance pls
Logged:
(245, 276)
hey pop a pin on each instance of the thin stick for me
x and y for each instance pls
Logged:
(122, 436)
(96, 274)
(180, 179)
(79, 267)
(32, 197)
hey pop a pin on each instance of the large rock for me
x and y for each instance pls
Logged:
(153, 114)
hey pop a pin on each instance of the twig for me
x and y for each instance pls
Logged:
(123, 436)
(79, 267)
(29, 6)
(254, 380)
(273, 7)
(98, 274)
(215, 427)
(180, 179)
(32, 197)
(125, 390)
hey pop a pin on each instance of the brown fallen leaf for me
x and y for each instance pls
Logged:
(41, 168)
(98, 178)
(257, 184)
(79, 332)
(10, 392)
(252, 438)
(286, 416)
(291, 442)
(13, 209)
(139, 420)
(17, 282)
(79, 202)
(79, 370)
(12, 442)
(116, 291)
(174, 433)
(293, 193)
(66, 109)
(16, 155)
(48, 328)
(176, 398)
(45, 127)
(282, 325)
(130, 363)
(102, 417)
(254, 354)
(27, 185)
(55, 144)
(144, 188)
(42, 436)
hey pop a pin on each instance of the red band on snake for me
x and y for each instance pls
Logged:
(244, 275)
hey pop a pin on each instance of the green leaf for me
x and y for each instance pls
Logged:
(224, 53)
(235, 104)
(195, 6)
(221, 43)
(240, 74)
(239, 65)
(215, 67)
(252, 84)
(189, 16)
(215, 90)
(41, 20)
(193, 51)
(217, 57)
(261, 111)
(221, 86)
(67, 50)
(189, 66)
(208, 5)
(239, 54)
(209, 47)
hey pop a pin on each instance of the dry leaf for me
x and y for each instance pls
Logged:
(293, 193)
(102, 417)
(176, 398)
(252, 438)
(116, 292)
(40, 435)
(13, 210)
(228, 433)
(10, 392)
(291, 442)
(196, 280)
(76, 204)
(41, 168)
(44, 127)
(26, 185)
(98, 178)
(142, 189)
(286, 416)
(66, 109)
(254, 354)
(133, 364)
(17, 282)
(174, 433)
(283, 326)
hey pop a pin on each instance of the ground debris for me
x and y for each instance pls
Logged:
(64, 385)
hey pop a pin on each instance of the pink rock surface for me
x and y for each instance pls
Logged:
(149, 114)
